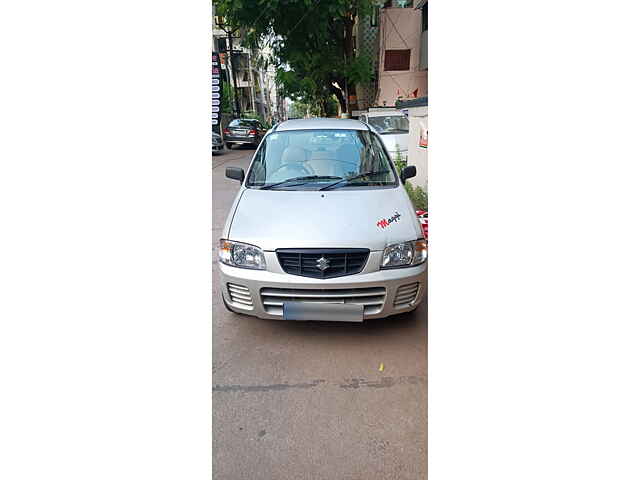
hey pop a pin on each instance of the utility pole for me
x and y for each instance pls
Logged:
(252, 82)
(259, 62)
(266, 100)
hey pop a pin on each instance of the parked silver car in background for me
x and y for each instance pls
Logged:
(393, 127)
(322, 228)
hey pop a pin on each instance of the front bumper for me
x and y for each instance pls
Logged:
(383, 292)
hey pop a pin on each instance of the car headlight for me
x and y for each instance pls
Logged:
(241, 255)
(405, 254)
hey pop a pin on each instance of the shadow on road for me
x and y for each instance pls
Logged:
(242, 147)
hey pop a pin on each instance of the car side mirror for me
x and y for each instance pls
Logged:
(408, 172)
(237, 173)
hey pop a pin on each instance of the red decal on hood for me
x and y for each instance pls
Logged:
(385, 222)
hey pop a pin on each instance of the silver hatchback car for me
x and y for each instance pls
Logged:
(322, 228)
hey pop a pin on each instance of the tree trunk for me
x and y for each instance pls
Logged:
(340, 96)
(350, 88)
(325, 107)
(262, 106)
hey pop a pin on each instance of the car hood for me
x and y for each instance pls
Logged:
(396, 141)
(358, 218)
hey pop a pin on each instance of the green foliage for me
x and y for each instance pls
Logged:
(299, 109)
(418, 196)
(331, 107)
(399, 162)
(227, 98)
(360, 69)
(326, 108)
(311, 41)
(257, 116)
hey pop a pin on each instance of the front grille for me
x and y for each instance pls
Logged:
(372, 298)
(239, 294)
(406, 295)
(338, 261)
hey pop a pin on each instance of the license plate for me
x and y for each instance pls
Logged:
(328, 312)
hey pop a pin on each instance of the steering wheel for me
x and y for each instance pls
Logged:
(296, 167)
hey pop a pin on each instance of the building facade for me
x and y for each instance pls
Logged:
(249, 78)
(402, 65)
(395, 37)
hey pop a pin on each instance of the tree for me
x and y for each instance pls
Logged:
(312, 44)
(227, 98)
(331, 107)
(300, 110)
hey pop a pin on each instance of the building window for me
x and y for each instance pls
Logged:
(397, 60)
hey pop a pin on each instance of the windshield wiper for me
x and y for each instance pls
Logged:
(297, 179)
(355, 177)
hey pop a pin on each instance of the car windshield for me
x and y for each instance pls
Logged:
(312, 159)
(390, 124)
(243, 123)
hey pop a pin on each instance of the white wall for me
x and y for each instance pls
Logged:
(401, 29)
(417, 155)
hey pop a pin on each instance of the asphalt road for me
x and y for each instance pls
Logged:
(307, 400)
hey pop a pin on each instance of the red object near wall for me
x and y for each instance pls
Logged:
(424, 221)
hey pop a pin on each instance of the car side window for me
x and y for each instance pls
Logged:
(258, 172)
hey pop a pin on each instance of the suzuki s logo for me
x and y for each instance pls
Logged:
(322, 264)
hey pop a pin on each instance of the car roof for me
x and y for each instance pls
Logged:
(322, 124)
(385, 113)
